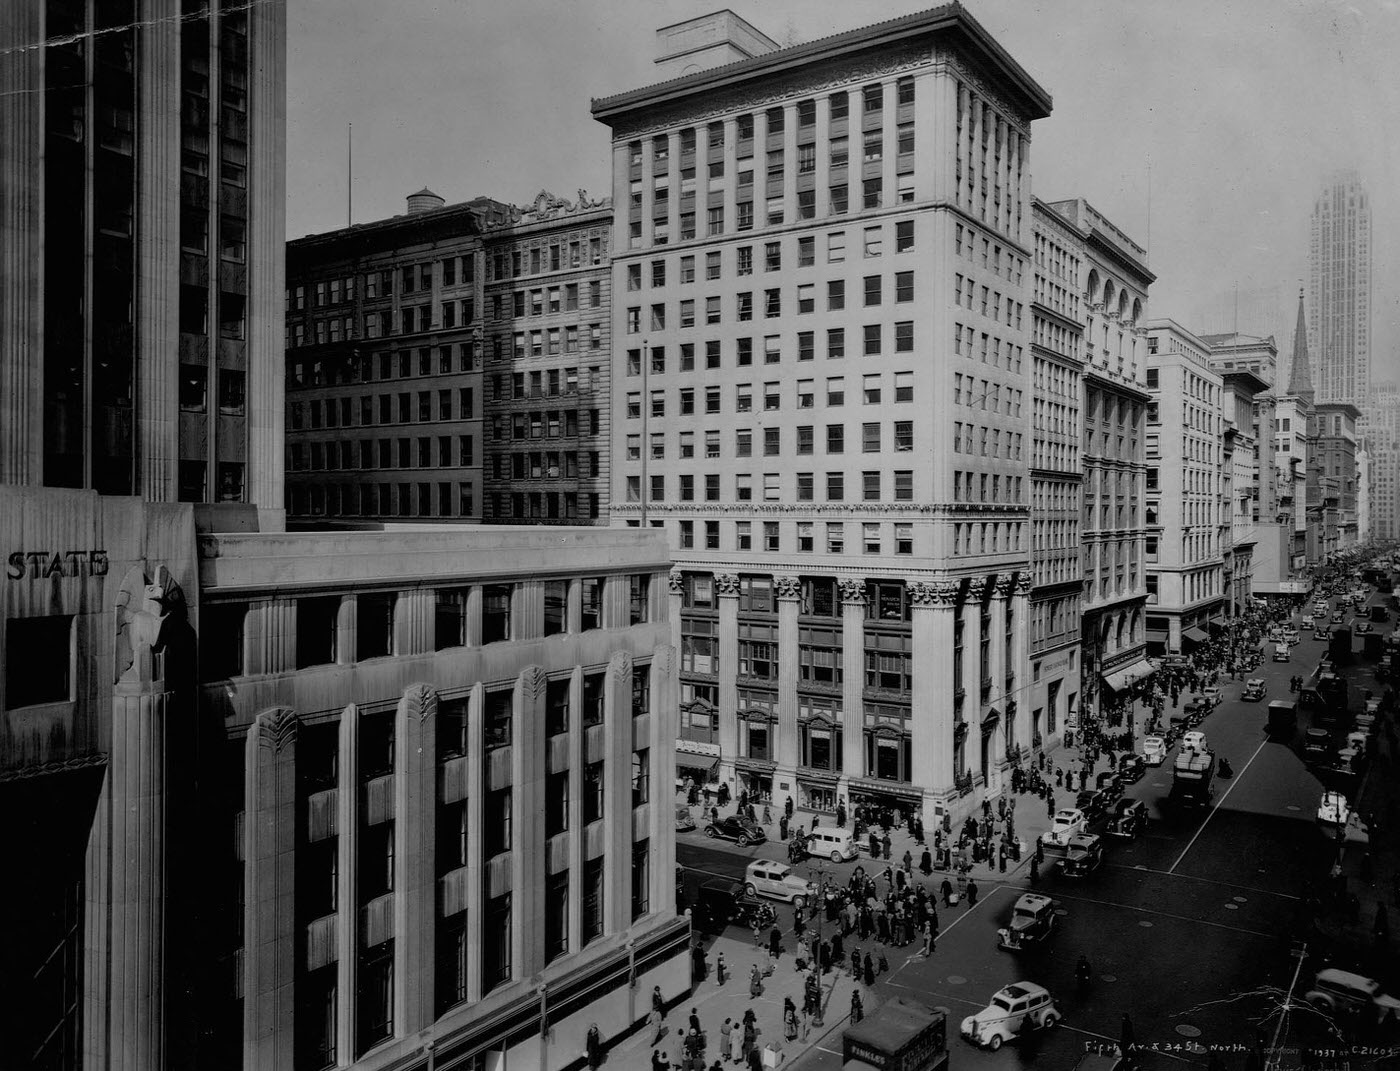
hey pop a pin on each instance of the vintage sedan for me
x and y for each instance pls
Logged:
(1092, 802)
(1254, 690)
(1032, 921)
(1083, 855)
(1336, 991)
(740, 830)
(1131, 769)
(1010, 1012)
(1129, 818)
(1154, 750)
(1063, 826)
(1364, 627)
(1110, 786)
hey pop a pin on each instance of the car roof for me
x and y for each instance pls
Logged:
(1083, 840)
(1069, 814)
(1128, 803)
(1022, 989)
(1256, 680)
(1336, 976)
(769, 863)
(1033, 901)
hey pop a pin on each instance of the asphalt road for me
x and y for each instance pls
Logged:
(1187, 928)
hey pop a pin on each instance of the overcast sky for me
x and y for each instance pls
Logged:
(1240, 109)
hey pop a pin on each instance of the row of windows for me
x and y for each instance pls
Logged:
(542, 506)
(546, 300)
(872, 296)
(872, 344)
(194, 389)
(366, 454)
(872, 441)
(987, 348)
(385, 365)
(547, 341)
(990, 303)
(545, 465)
(546, 424)
(443, 499)
(458, 404)
(776, 537)
(803, 486)
(978, 441)
(548, 255)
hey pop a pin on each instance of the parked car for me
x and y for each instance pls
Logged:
(1333, 809)
(1128, 819)
(1213, 696)
(1364, 627)
(719, 902)
(764, 877)
(1064, 825)
(1110, 786)
(1131, 769)
(1280, 652)
(1154, 750)
(1194, 741)
(1254, 690)
(1032, 921)
(1083, 855)
(1342, 991)
(1321, 633)
(684, 819)
(1307, 621)
(1196, 709)
(1010, 1010)
(1317, 745)
(1337, 617)
(740, 830)
(1091, 802)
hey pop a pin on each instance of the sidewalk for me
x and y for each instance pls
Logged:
(713, 1003)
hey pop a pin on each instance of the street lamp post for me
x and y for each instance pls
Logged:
(818, 864)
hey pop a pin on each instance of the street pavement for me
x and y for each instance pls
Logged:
(1190, 929)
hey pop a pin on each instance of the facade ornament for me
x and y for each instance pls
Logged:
(727, 584)
(936, 593)
(677, 582)
(1023, 583)
(532, 681)
(852, 591)
(148, 610)
(787, 587)
(621, 665)
(422, 698)
(276, 729)
(1002, 587)
(976, 588)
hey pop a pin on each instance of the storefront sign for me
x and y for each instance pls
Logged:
(42, 564)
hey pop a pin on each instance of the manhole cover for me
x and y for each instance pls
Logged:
(1186, 1030)
(1145, 924)
(956, 979)
(1232, 907)
(1109, 977)
(1240, 899)
(1294, 807)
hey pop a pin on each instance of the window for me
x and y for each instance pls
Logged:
(836, 247)
(743, 264)
(904, 336)
(835, 438)
(712, 264)
(904, 232)
(194, 381)
(835, 294)
(870, 486)
(904, 286)
(38, 660)
(872, 241)
(835, 342)
(872, 340)
(806, 297)
(872, 290)
(870, 438)
(495, 612)
(374, 625)
(317, 621)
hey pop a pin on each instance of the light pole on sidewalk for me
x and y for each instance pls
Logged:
(818, 864)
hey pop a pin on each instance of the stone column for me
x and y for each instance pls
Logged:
(662, 743)
(853, 678)
(617, 794)
(789, 163)
(415, 877)
(576, 832)
(789, 591)
(135, 1029)
(269, 637)
(573, 607)
(346, 623)
(821, 178)
(932, 694)
(270, 920)
(1020, 661)
(972, 667)
(527, 773)
(731, 181)
(727, 597)
(889, 150)
(996, 659)
(675, 604)
(415, 617)
(347, 906)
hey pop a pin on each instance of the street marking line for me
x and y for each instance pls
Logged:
(1169, 915)
(1209, 881)
(1218, 803)
(823, 1048)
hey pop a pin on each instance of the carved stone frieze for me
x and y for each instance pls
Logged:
(532, 681)
(276, 729)
(1003, 586)
(852, 591)
(677, 582)
(787, 587)
(938, 593)
(1024, 583)
(422, 699)
(621, 664)
(976, 588)
(727, 584)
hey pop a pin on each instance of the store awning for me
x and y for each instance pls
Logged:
(1126, 677)
(1195, 635)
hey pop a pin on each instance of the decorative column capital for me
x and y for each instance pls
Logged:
(787, 587)
(1002, 587)
(852, 591)
(976, 588)
(940, 594)
(1023, 583)
(677, 582)
(275, 728)
(727, 584)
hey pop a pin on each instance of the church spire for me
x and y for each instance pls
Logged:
(1299, 374)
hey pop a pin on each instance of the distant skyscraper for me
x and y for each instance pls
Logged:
(1339, 291)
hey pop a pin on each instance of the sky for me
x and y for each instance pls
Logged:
(1203, 128)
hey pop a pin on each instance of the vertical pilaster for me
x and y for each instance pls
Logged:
(269, 637)
(267, 200)
(415, 615)
(789, 591)
(1020, 661)
(972, 663)
(617, 794)
(853, 678)
(889, 148)
(932, 692)
(269, 957)
(527, 760)
(731, 184)
(473, 623)
(576, 834)
(527, 610)
(727, 598)
(789, 162)
(346, 624)
(664, 699)
(573, 607)
(996, 667)
(822, 176)
(476, 864)
(21, 245)
(347, 903)
(415, 882)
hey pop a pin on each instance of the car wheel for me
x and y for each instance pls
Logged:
(799, 901)
(749, 890)
(709, 831)
(994, 1042)
(743, 840)
(835, 857)
(1050, 1020)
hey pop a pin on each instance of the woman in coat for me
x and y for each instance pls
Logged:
(789, 1019)
(726, 1041)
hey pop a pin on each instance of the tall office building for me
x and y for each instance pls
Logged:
(822, 270)
(1113, 530)
(1186, 491)
(1339, 291)
(368, 799)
